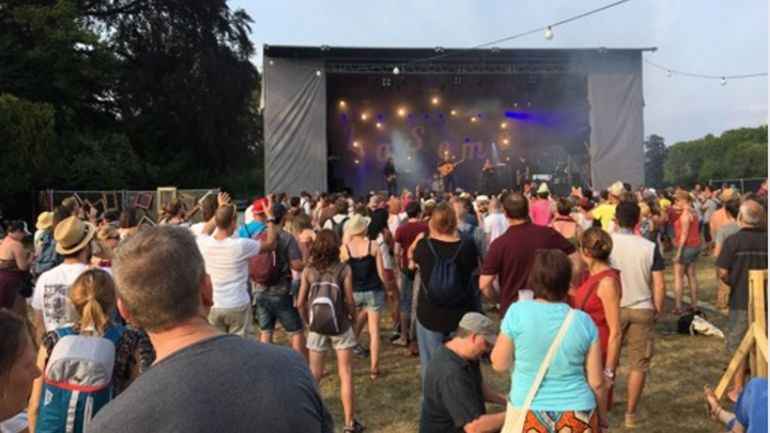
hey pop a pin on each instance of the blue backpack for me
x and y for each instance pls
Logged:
(77, 380)
(445, 287)
(48, 257)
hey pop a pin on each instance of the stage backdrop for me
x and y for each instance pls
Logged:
(334, 115)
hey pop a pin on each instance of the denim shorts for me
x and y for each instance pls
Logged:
(277, 306)
(372, 300)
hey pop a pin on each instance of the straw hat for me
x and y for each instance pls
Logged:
(72, 235)
(357, 225)
(543, 189)
(729, 194)
(617, 189)
(44, 220)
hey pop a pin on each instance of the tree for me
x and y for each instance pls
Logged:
(654, 158)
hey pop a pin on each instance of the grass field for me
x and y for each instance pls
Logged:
(672, 400)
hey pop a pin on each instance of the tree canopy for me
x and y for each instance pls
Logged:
(126, 93)
(737, 153)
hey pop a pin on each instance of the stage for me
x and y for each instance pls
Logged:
(334, 116)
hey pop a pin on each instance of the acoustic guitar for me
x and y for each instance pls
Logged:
(446, 168)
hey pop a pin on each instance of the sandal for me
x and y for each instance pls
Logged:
(374, 374)
(712, 404)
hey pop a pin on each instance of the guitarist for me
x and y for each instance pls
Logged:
(390, 177)
(446, 168)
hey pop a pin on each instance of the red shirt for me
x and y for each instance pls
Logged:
(511, 255)
(405, 235)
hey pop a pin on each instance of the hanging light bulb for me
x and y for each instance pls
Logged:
(723, 81)
(396, 71)
(669, 74)
(549, 33)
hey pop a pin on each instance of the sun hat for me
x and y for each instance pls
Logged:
(72, 235)
(44, 220)
(543, 188)
(357, 225)
(482, 199)
(729, 194)
(616, 189)
(480, 324)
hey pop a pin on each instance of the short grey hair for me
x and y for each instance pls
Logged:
(158, 272)
(751, 213)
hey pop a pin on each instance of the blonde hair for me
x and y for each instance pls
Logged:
(93, 296)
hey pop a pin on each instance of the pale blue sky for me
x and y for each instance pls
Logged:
(703, 36)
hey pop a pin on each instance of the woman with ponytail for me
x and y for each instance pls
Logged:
(599, 297)
(93, 297)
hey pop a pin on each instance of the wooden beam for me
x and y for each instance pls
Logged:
(735, 362)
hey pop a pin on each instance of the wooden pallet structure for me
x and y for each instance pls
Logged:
(754, 343)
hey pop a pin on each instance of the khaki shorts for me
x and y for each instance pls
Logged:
(235, 321)
(637, 326)
(320, 343)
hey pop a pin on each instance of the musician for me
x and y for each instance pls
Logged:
(488, 177)
(446, 168)
(390, 177)
(521, 165)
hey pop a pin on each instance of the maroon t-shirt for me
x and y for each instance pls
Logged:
(405, 235)
(511, 256)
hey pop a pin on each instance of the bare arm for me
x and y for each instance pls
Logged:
(350, 302)
(724, 275)
(609, 293)
(488, 423)
(22, 256)
(37, 321)
(223, 198)
(397, 251)
(658, 291)
(577, 265)
(487, 286)
(502, 354)
(304, 286)
(37, 389)
(597, 380)
(271, 241)
(380, 266)
(297, 265)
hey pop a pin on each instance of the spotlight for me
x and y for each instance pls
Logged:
(396, 71)
(401, 112)
(503, 125)
(434, 101)
(357, 162)
(343, 104)
(723, 81)
(453, 112)
(318, 72)
(505, 141)
(549, 33)
(355, 144)
(271, 63)
(379, 125)
(364, 116)
(508, 158)
(473, 119)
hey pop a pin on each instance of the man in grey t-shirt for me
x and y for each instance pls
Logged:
(203, 380)
(730, 228)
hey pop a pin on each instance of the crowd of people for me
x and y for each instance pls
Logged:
(138, 328)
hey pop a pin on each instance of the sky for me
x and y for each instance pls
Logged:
(701, 36)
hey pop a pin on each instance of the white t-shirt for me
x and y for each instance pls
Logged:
(387, 258)
(51, 295)
(227, 263)
(633, 256)
(16, 424)
(338, 218)
(197, 229)
(495, 225)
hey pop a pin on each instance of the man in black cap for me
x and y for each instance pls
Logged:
(454, 391)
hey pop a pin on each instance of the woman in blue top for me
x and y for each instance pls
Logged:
(572, 393)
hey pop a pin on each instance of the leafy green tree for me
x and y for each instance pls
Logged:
(654, 157)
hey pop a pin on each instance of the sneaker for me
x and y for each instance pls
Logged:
(360, 351)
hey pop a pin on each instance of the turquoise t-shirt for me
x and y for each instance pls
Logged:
(247, 231)
(532, 326)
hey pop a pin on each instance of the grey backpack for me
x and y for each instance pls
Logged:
(327, 303)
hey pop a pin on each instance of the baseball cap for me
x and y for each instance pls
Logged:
(258, 208)
(480, 324)
(17, 225)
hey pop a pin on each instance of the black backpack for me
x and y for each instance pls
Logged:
(339, 228)
(445, 287)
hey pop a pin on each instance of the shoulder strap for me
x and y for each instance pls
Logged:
(459, 247)
(547, 361)
(430, 246)
(65, 331)
(350, 255)
(595, 279)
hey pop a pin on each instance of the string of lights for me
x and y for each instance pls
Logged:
(722, 78)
